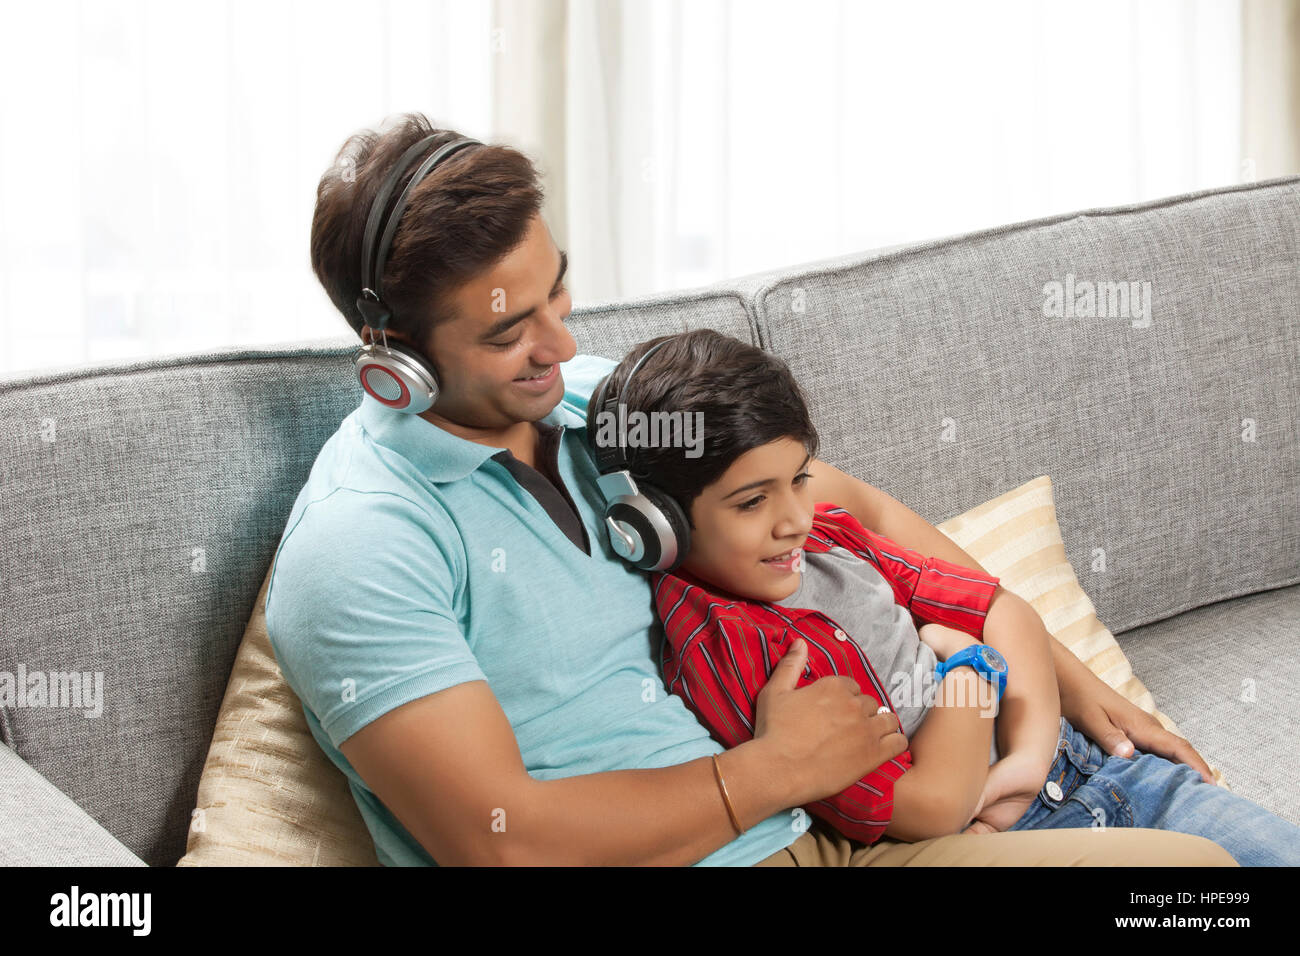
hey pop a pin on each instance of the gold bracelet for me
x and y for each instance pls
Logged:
(726, 798)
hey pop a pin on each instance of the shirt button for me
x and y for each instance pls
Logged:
(840, 635)
(1054, 790)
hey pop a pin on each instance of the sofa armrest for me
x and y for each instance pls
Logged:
(40, 825)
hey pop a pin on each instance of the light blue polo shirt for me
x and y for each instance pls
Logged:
(413, 561)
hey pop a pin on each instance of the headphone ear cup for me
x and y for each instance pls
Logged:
(422, 365)
(677, 520)
(398, 377)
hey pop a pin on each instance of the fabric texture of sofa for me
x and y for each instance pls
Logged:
(144, 500)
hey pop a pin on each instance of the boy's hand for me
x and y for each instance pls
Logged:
(1013, 783)
(824, 736)
(943, 640)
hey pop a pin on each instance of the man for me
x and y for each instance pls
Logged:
(468, 648)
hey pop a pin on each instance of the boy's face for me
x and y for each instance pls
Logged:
(760, 508)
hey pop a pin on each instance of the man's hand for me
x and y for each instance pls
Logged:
(824, 736)
(1119, 725)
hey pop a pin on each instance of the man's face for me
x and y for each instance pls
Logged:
(760, 508)
(509, 326)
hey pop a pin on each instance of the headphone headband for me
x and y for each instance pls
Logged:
(397, 376)
(370, 303)
(647, 527)
(615, 457)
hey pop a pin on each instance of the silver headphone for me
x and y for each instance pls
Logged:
(396, 375)
(647, 527)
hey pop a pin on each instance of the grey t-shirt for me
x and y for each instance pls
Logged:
(855, 595)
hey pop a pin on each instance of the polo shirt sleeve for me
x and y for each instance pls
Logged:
(361, 608)
(934, 590)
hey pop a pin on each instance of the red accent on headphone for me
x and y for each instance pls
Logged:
(400, 402)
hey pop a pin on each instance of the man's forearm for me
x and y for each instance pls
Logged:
(1078, 685)
(886, 515)
(670, 816)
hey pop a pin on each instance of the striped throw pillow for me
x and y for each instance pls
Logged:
(1016, 538)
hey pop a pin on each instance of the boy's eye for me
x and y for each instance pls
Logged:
(753, 503)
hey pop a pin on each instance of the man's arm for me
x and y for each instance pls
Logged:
(1086, 700)
(448, 766)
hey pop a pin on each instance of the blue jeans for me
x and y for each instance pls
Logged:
(1087, 787)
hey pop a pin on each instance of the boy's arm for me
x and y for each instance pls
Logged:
(1086, 701)
(943, 789)
(1029, 721)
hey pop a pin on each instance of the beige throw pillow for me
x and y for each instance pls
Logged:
(1016, 538)
(268, 795)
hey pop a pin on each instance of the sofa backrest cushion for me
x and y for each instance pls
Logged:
(142, 506)
(938, 373)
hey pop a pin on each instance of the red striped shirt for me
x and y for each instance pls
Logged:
(718, 652)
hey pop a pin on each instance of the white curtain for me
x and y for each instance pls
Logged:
(158, 160)
(714, 138)
(1271, 88)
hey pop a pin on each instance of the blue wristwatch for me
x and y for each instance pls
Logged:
(986, 660)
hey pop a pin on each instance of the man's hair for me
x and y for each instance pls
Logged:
(462, 219)
(747, 396)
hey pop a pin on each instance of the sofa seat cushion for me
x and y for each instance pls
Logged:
(1229, 674)
(43, 826)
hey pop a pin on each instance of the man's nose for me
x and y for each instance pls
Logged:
(557, 342)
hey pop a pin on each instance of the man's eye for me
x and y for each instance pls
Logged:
(559, 290)
(802, 477)
(505, 345)
(751, 504)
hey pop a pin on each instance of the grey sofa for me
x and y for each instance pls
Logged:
(143, 501)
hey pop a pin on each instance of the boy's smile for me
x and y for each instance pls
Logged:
(751, 524)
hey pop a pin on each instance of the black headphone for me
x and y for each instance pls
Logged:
(396, 375)
(647, 527)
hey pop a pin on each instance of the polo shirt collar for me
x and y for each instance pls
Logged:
(438, 454)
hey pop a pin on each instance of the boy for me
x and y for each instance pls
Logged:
(766, 566)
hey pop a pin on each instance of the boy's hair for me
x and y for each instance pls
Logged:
(462, 219)
(747, 397)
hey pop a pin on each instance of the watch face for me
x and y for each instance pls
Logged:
(992, 658)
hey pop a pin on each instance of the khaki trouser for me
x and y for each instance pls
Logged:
(822, 845)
